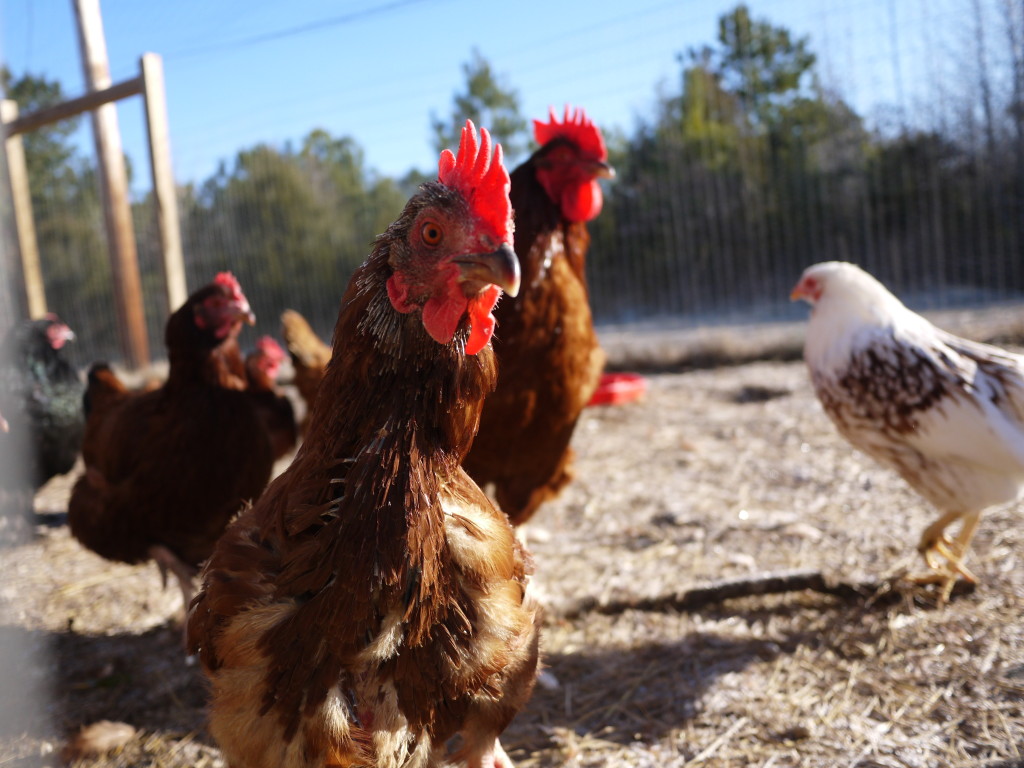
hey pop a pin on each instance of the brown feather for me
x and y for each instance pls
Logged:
(171, 466)
(363, 614)
(549, 358)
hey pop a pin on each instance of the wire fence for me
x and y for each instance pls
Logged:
(710, 220)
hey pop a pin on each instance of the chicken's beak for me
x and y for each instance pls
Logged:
(500, 268)
(602, 170)
(243, 312)
(799, 290)
(808, 289)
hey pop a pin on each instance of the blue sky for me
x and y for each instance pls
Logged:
(241, 73)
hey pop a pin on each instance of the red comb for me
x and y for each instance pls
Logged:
(269, 348)
(229, 281)
(576, 127)
(482, 181)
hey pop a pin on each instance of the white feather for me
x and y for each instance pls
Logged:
(963, 401)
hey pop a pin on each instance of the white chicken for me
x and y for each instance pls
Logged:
(944, 412)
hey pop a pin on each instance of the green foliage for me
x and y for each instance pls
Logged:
(67, 213)
(48, 153)
(488, 103)
(291, 225)
(745, 173)
(762, 64)
(713, 192)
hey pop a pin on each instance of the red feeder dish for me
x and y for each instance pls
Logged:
(618, 388)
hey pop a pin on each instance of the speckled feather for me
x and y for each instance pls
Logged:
(947, 413)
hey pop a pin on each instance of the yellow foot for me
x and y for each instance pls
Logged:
(952, 562)
(947, 581)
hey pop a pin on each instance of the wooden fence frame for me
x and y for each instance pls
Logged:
(123, 256)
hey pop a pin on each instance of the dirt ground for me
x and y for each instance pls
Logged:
(727, 473)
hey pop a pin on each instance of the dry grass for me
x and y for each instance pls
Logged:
(717, 474)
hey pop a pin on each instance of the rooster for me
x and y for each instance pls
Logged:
(275, 409)
(41, 398)
(944, 412)
(309, 354)
(549, 359)
(371, 608)
(167, 469)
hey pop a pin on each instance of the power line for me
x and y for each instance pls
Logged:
(312, 26)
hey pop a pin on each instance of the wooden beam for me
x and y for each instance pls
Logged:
(114, 187)
(165, 194)
(67, 109)
(34, 295)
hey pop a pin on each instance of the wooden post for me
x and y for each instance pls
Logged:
(165, 194)
(25, 227)
(114, 187)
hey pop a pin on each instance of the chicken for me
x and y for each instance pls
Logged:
(946, 413)
(549, 359)
(167, 469)
(274, 408)
(371, 607)
(309, 354)
(41, 402)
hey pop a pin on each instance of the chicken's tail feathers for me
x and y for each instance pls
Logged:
(305, 347)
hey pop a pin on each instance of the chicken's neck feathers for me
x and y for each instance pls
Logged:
(387, 375)
(842, 326)
(359, 514)
(394, 417)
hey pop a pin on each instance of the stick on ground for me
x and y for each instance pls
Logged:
(770, 583)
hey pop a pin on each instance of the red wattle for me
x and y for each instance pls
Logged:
(481, 321)
(442, 314)
(582, 202)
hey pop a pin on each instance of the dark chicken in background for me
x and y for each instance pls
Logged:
(549, 358)
(309, 354)
(371, 608)
(167, 469)
(275, 409)
(41, 403)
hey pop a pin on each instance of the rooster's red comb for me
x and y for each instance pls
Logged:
(483, 181)
(229, 281)
(269, 348)
(576, 127)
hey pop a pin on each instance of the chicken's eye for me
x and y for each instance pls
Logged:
(431, 233)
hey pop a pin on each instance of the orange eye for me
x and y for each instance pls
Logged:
(431, 233)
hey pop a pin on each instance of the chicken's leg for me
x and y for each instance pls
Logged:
(491, 758)
(185, 573)
(935, 542)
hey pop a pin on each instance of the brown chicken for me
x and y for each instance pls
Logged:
(371, 608)
(275, 409)
(549, 359)
(309, 354)
(167, 469)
